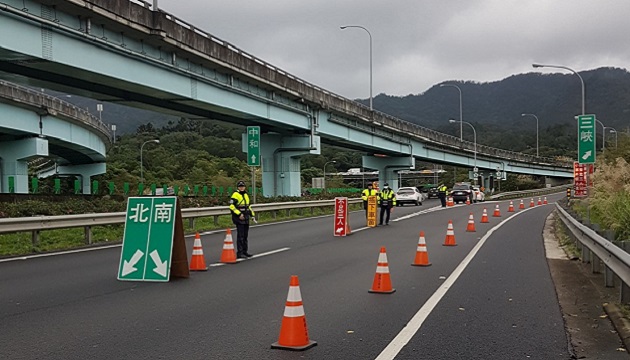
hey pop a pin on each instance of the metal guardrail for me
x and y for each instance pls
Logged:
(36, 224)
(614, 258)
(533, 192)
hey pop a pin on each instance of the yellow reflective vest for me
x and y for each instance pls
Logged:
(387, 198)
(368, 192)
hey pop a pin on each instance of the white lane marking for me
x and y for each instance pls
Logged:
(412, 327)
(253, 257)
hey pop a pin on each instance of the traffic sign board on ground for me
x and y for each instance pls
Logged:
(341, 216)
(586, 139)
(253, 145)
(148, 239)
(371, 211)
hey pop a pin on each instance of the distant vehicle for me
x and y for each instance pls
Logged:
(478, 195)
(432, 192)
(461, 192)
(408, 195)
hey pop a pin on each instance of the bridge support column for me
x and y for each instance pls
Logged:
(388, 167)
(14, 157)
(85, 171)
(281, 154)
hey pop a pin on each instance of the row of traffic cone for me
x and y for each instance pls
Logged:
(228, 256)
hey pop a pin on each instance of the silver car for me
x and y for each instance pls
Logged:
(409, 195)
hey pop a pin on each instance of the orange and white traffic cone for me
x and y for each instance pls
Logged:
(293, 331)
(521, 206)
(197, 262)
(228, 256)
(497, 212)
(450, 202)
(511, 207)
(531, 203)
(539, 201)
(422, 256)
(382, 283)
(545, 201)
(471, 224)
(484, 217)
(467, 201)
(450, 235)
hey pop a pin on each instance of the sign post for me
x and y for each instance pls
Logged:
(586, 139)
(341, 216)
(152, 226)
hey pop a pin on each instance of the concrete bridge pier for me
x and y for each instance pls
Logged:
(388, 167)
(14, 157)
(281, 154)
(85, 171)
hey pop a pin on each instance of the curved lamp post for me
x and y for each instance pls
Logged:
(573, 71)
(536, 129)
(327, 162)
(461, 118)
(613, 130)
(366, 30)
(141, 165)
(453, 121)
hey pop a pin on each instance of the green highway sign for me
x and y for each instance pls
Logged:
(586, 139)
(253, 145)
(148, 239)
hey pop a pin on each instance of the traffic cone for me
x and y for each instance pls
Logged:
(422, 256)
(484, 217)
(545, 201)
(382, 283)
(521, 206)
(228, 256)
(539, 201)
(467, 201)
(450, 202)
(511, 207)
(531, 203)
(497, 212)
(450, 235)
(293, 331)
(471, 224)
(197, 262)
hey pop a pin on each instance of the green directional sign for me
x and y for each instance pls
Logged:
(253, 145)
(586, 139)
(148, 239)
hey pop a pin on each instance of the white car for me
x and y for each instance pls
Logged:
(478, 195)
(409, 195)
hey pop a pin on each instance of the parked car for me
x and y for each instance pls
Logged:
(478, 195)
(409, 195)
(461, 192)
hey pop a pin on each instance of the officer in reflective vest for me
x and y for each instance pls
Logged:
(364, 195)
(442, 189)
(386, 200)
(241, 213)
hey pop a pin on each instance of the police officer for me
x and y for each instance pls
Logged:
(364, 195)
(386, 200)
(241, 213)
(442, 194)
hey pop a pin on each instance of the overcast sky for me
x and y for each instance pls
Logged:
(416, 43)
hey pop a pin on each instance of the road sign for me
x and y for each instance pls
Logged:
(341, 216)
(580, 173)
(148, 239)
(253, 145)
(586, 139)
(371, 211)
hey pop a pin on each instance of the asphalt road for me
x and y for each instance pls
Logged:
(502, 305)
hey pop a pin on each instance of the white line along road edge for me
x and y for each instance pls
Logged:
(403, 337)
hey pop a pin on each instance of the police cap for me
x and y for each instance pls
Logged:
(240, 183)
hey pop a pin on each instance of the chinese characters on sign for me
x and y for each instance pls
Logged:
(371, 211)
(253, 145)
(341, 216)
(586, 139)
(580, 173)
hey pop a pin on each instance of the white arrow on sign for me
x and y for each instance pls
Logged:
(160, 268)
(128, 266)
(253, 159)
(339, 230)
(586, 155)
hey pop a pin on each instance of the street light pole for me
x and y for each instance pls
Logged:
(452, 121)
(141, 148)
(603, 136)
(536, 130)
(613, 130)
(326, 163)
(461, 118)
(366, 30)
(573, 71)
